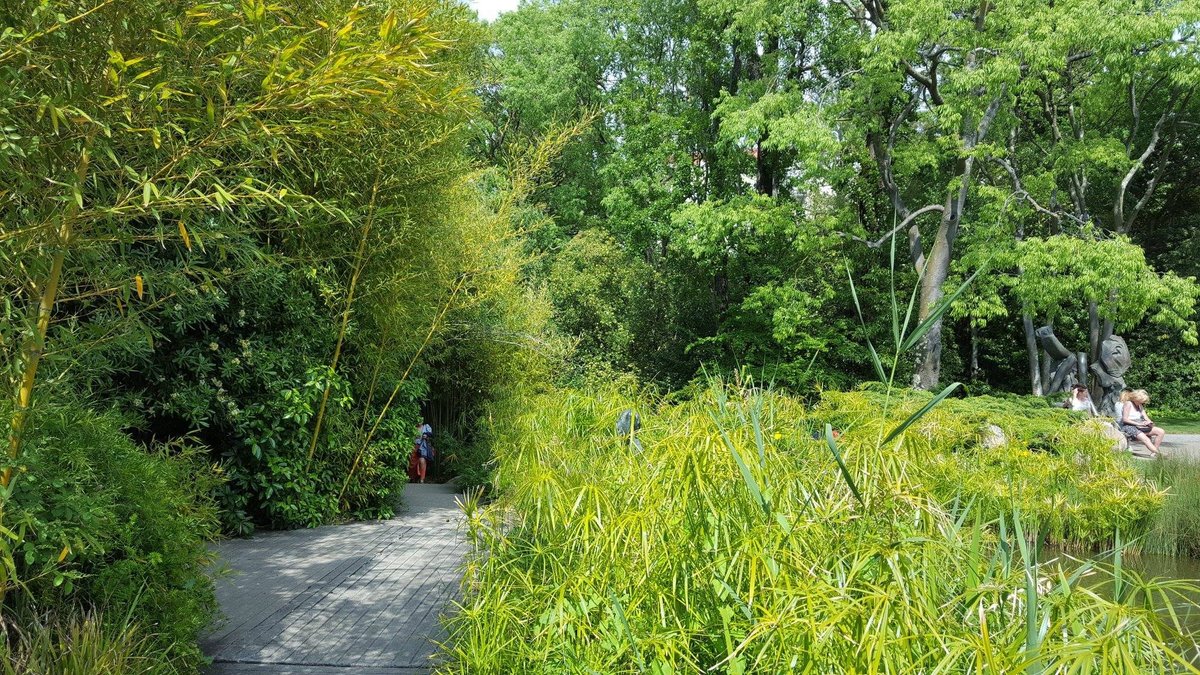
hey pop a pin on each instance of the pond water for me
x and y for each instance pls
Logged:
(1148, 566)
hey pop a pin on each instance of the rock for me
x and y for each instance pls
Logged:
(1110, 431)
(994, 437)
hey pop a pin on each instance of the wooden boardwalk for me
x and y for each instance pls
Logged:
(362, 598)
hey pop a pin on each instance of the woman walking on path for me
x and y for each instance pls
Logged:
(423, 446)
(1136, 424)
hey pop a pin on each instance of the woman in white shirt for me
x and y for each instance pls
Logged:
(1081, 401)
(1136, 424)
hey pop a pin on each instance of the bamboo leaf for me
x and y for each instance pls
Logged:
(187, 241)
(1029, 564)
(137, 282)
(875, 361)
(748, 478)
(913, 418)
(936, 315)
(837, 456)
(892, 278)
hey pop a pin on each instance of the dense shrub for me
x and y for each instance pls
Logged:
(1058, 469)
(108, 524)
(243, 367)
(1169, 370)
(734, 540)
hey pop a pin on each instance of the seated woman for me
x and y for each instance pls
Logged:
(1136, 424)
(1080, 400)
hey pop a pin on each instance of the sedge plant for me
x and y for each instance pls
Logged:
(747, 537)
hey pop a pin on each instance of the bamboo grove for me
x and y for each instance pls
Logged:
(246, 246)
(235, 242)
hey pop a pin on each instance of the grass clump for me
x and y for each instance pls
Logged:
(82, 645)
(735, 542)
(1175, 529)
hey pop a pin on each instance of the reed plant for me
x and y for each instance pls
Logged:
(83, 644)
(747, 533)
(1175, 529)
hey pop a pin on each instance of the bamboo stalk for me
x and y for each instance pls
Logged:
(35, 346)
(359, 262)
(396, 390)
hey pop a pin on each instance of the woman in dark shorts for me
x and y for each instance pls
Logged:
(423, 446)
(1136, 424)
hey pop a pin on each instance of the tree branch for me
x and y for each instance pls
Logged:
(891, 233)
(929, 82)
(1120, 221)
(1021, 193)
(1159, 170)
(883, 157)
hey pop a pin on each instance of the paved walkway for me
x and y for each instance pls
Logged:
(362, 598)
(1182, 445)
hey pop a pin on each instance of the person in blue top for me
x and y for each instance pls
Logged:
(423, 446)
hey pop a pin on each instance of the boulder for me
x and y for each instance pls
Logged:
(1109, 429)
(993, 437)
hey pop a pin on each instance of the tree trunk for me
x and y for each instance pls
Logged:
(937, 266)
(1045, 371)
(1093, 331)
(1031, 349)
(974, 367)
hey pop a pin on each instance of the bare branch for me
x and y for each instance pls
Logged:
(883, 157)
(1159, 170)
(929, 82)
(1019, 192)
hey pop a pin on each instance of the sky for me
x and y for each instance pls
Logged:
(489, 9)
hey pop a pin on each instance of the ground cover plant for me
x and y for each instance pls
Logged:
(1179, 423)
(745, 535)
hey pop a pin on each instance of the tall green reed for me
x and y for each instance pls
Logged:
(737, 542)
(592, 559)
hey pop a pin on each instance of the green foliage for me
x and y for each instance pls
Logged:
(744, 152)
(733, 541)
(104, 523)
(596, 289)
(1059, 272)
(1175, 530)
(253, 229)
(1169, 370)
(82, 645)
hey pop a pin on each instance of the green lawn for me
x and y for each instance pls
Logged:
(1179, 424)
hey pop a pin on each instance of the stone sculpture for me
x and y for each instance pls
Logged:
(1066, 366)
(1110, 373)
(628, 424)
